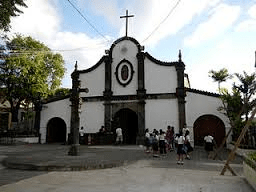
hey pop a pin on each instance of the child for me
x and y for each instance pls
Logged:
(155, 144)
(147, 140)
(180, 140)
(189, 149)
(162, 142)
(209, 144)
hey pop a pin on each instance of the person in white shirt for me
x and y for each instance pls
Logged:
(119, 136)
(208, 144)
(81, 135)
(189, 148)
(162, 142)
(180, 152)
(155, 144)
(147, 144)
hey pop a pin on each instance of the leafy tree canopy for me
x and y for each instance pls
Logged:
(240, 102)
(220, 76)
(9, 9)
(29, 70)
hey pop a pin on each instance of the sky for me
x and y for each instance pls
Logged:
(211, 34)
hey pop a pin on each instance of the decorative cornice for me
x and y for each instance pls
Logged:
(151, 58)
(94, 66)
(131, 97)
(123, 39)
(202, 92)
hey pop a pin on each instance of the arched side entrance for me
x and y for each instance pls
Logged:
(56, 130)
(128, 121)
(208, 124)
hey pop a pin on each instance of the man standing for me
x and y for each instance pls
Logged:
(119, 136)
(81, 136)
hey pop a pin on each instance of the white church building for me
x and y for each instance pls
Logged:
(130, 88)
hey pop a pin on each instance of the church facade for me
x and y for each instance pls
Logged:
(129, 88)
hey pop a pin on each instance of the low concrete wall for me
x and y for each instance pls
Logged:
(250, 172)
(27, 139)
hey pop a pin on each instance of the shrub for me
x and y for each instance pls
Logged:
(252, 156)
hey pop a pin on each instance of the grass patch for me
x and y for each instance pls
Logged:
(251, 160)
(252, 156)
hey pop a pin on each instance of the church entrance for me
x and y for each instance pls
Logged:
(128, 121)
(208, 124)
(56, 130)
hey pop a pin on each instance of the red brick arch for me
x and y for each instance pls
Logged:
(208, 124)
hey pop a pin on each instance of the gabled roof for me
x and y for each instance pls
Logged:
(202, 92)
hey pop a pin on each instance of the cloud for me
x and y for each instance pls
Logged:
(248, 25)
(151, 16)
(39, 20)
(42, 21)
(236, 56)
(106, 9)
(252, 11)
(221, 19)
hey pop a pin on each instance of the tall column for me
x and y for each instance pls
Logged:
(180, 93)
(141, 123)
(75, 120)
(38, 108)
(141, 94)
(107, 94)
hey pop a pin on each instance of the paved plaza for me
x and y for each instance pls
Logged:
(113, 168)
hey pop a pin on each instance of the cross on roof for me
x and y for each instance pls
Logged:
(126, 16)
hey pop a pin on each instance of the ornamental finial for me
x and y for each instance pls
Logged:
(255, 59)
(180, 56)
(76, 66)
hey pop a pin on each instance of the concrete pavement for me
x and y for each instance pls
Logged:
(131, 170)
(136, 177)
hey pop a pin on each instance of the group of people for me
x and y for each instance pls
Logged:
(161, 142)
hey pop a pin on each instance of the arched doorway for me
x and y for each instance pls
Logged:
(128, 121)
(56, 130)
(208, 124)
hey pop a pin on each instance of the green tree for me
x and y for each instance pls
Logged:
(247, 87)
(29, 70)
(60, 92)
(220, 76)
(9, 9)
(232, 107)
(239, 103)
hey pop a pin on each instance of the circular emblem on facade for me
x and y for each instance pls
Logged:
(124, 72)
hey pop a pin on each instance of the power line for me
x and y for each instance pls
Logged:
(87, 20)
(21, 51)
(162, 21)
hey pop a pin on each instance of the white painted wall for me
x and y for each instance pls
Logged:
(61, 109)
(160, 79)
(161, 113)
(118, 55)
(94, 81)
(92, 116)
(198, 105)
